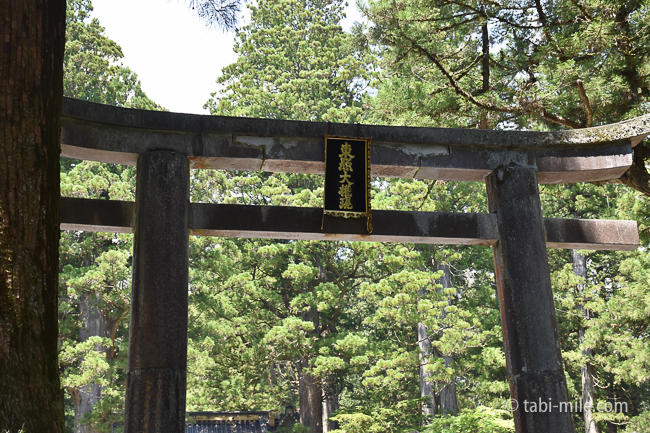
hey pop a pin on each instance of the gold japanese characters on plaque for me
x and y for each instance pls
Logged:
(347, 178)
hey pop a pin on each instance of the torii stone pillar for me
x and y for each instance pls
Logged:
(155, 397)
(530, 335)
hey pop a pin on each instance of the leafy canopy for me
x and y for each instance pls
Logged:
(295, 62)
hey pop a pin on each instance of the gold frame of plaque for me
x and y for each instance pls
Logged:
(347, 178)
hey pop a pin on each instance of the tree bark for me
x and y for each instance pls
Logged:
(586, 371)
(93, 323)
(448, 397)
(330, 405)
(311, 401)
(429, 408)
(485, 67)
(31, 76)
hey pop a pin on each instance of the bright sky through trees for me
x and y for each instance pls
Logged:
(177, 57)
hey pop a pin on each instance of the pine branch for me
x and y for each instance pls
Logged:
(583, 9)
(488, 106)
(114, 332)
(220, 13)
(540, 12)
(559, 120)
(426, 195)
(486, 58)
(456, 86)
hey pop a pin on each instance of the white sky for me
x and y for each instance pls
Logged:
(175, 55)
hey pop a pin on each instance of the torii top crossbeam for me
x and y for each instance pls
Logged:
(117, 135)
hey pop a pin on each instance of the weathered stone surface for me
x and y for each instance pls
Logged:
(539, 396)
(109, 134)
(574, 234)
(90, 215)
(573, 164)
(389, 226)
(155, 399)
(305, 223)
(165, 121)
(531, 339)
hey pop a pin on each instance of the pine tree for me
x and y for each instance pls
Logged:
(94, 290)
(94, 302)
(531, 64)
(295, 62)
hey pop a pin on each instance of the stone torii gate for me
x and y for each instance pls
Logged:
(165, 146)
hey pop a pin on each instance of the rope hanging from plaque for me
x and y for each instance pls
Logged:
(347, 178)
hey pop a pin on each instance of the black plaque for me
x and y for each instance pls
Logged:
(347, 177)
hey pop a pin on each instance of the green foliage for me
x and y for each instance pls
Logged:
(535, 65)
(296, 428)
(483, 419)
(622, 320)
(94, 367)
(295, 62)
(401, 417)
(531, 64)
(291, 299)
(94, 296)
(639, 424)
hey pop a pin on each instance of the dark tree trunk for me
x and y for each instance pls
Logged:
(485, 66)
(31, 76)
(311, 401)
(586, 371)
(426, 387)
(330, 405)
(448, 397)
(93, 323)
(310, 390)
